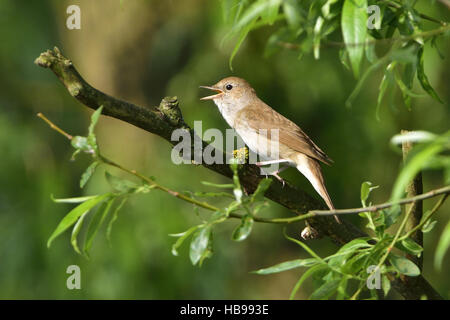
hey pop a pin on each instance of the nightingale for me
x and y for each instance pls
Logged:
(254, 121)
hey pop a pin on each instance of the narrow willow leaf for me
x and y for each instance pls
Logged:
(423, 79)
(385, 284)
(181, 238)
(288, 265)
(412, 247)
(428, 226)
(327, 12)
(242, 35)
(371, 54)
(407, 94)
(88, 173)
(199, 244)
(308, 273)
(404, 266)
(391, 215)
(114, 218)
(366, 188)
(263, 185)
(414, 164)
(213, 194)
(413, 136)
(343, 57)
(442, 247)
(326, 290)
(72, 200)
(341, 290)
(76, 231)
(217, 185)
(94, 119)
(119, 184)
(292, 11)
(74, 214)
(95, 224)
(269, 15)
(346, 251)
(354, 31)
(317, 36)
(386, 82)
(251, 14)
(244, 229)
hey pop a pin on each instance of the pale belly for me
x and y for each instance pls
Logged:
(258, 142)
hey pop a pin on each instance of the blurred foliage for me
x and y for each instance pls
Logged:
(144, 50)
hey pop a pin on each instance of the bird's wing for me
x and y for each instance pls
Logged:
(289, 133)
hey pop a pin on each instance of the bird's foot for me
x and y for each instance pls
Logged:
(275, 174)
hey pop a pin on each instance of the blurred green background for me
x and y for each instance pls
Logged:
(141, 51)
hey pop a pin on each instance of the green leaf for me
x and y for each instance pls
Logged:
(326, 290)
(442, 247)
(386, 82)
(76, 213)
(95, 224)
(391, 215)
(94, 120)
(213, 194)
(371, 54)
(317, 36)
(366, 188)
(119, 184)
(354, 31)
(270, 14)
(288, 265)
(347, 250)
(404, 266)
(242, 35)
(263, 185)
(292, 11)
(114, 218)
(415, 163)
(308, 273)
(199, 244)
(412, 247)
(72, 200)
(76, 231)
(88, 173)
(181, 238)
(423, 79)
(217, 185)
(244, 229)
(80, 143)
(251, 14)
(385, 284)
(428, 226)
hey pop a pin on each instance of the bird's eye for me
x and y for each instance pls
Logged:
(229, 87)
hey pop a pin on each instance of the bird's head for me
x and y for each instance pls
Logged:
(231, 91)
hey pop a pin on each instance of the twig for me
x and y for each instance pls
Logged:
(374, 208)
(205, 205)
(325, 43)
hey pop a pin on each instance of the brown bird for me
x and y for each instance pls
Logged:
(255, 121)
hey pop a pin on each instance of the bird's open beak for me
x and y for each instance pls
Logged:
(214, 96)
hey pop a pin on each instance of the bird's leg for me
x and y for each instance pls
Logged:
(275, 173)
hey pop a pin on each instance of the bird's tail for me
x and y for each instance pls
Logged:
(310, 168)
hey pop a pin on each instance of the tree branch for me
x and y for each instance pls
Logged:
(413, 189)
(167, 117)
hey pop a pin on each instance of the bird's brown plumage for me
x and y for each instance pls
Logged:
(290, 135)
